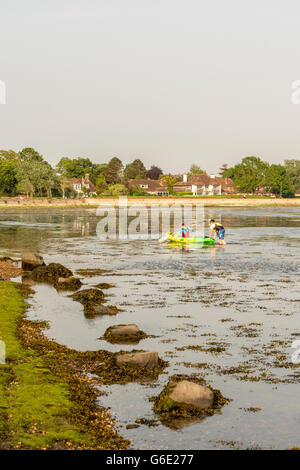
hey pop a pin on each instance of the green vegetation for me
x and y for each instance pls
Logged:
(253, 174)
(293, 171)
(37, 408)
(135, 170)
(26, 172)
(195, 170)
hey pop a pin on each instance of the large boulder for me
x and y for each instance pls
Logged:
(124, 330)
(190, 393)
(51, 273)
(147, 359)
(187, 396)
(124, 334)
(31, 261)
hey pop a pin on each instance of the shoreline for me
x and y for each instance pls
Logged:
(65, 416)
(93, 203)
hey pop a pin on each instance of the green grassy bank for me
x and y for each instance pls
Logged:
(37, 408)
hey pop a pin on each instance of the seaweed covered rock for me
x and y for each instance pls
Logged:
(191, 393)
(92, 300)
(124, 334)
(91, 311)
(31, 261)
(147, 359)
(51, 273)
(104, 285)
(88, 296)
(68, 283)
(186, 397)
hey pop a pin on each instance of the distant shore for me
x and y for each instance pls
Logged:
(58, 203)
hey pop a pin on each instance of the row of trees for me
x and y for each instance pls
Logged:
(254, 174)
(26, 172)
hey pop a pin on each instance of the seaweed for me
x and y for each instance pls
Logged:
(167, 409)
(50, 273)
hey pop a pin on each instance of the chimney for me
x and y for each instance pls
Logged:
(185, 178)
(87, 177)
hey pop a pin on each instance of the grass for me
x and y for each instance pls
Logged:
(35, 405)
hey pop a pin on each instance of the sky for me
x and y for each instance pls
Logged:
(173, 82)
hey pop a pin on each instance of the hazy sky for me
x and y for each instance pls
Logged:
(172, 82)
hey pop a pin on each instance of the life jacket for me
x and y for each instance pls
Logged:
(218, 227)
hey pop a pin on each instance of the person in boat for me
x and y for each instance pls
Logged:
(185, 231)
(217, 230)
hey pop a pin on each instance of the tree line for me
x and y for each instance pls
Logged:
(27, 172)
(253, 175)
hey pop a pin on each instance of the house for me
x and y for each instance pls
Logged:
(153, 187)
(78, 185)
(204, 185)
(297, 193)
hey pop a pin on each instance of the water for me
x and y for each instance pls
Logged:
(244, 296)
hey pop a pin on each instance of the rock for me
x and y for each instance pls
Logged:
(31, 261)
(89, 296)
(104, 285)
(124, 334)
(148, 359)
(92, 300)
(132, 426)
(51, 273)
(68, 283)
(104, 310)
(124, 330)
(190, 393)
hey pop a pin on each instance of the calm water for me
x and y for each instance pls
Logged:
(244, 296)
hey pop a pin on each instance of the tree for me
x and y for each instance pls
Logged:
(118, 190)
(223, 169)
(8, 178)
(278, 181)
(101, 184)
(25, 186)
(63, 184)
(137, 191)
(293, 171)
(28, 154)
(170, 180)
(135, 170)
(113, 171)
(38, 175)
(74, 168)
(154, 173)
(195, 170)
(9, 155)
(98, 170)
(249, 175)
